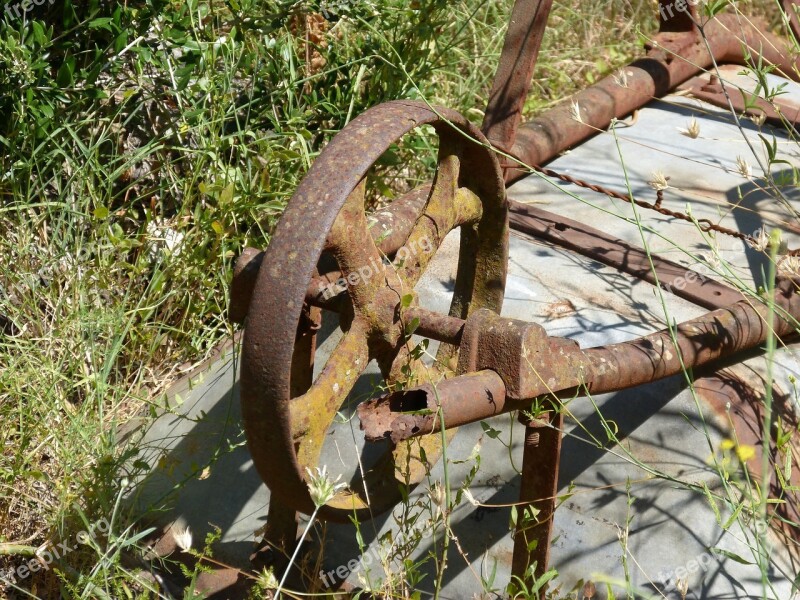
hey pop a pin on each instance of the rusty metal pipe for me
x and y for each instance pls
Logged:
(436, 326)
(717, 334)
(567, 370)
(676, 57)
(464, 399)
(608, 249)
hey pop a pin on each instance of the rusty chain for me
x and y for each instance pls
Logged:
(705, 224)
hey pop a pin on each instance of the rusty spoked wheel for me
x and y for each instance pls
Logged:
(285, 427)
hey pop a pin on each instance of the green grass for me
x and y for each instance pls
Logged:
(128, 126)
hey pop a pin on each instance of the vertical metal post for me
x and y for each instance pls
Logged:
(538, 489)
(512, 81)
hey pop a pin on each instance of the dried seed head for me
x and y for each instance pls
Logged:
(682, 586)
(658, 181)
(575, 111)
(267, 579)
(183, 538)
(436, 493)
(470, 498)
(692, 129)
(743, 168)
(759, 119)
(760, 241)
(589, 590)
(321, 487)
(789, 266)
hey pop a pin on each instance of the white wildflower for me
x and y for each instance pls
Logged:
(760, 241)
(759, 119)
(743, 168)
(658, 181)
(789, 266)
(692, 129)
(183, 538)
(321, 487)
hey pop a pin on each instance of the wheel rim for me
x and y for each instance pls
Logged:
(285, 434)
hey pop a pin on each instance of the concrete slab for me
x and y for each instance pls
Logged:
(634, 511)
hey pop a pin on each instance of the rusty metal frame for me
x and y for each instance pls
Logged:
(276, 290)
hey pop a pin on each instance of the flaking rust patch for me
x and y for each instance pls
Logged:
(559, 309)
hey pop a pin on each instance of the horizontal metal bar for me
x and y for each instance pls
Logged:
(565, 370)
(609, 250)
(673, 58)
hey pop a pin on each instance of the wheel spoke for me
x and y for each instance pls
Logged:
(359, 259)
(448, 207)
(312, 413)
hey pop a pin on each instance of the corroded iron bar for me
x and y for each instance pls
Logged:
(512, 80)
(608, 249)
(556, 368)
(389, 228)
(671, 60)
(537, 493)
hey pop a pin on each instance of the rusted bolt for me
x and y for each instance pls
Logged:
(713, 86)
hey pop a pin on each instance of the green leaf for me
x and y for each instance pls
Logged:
(100, 213)
(733, 516)
(406, 300)
(713, 504)
(412, 326)
(489, 430)
(132, 540)
(38, 33)
(226, 195)
(716, 6)
(732, 555)
(64, 76)
(542, 581)
(100, 23)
